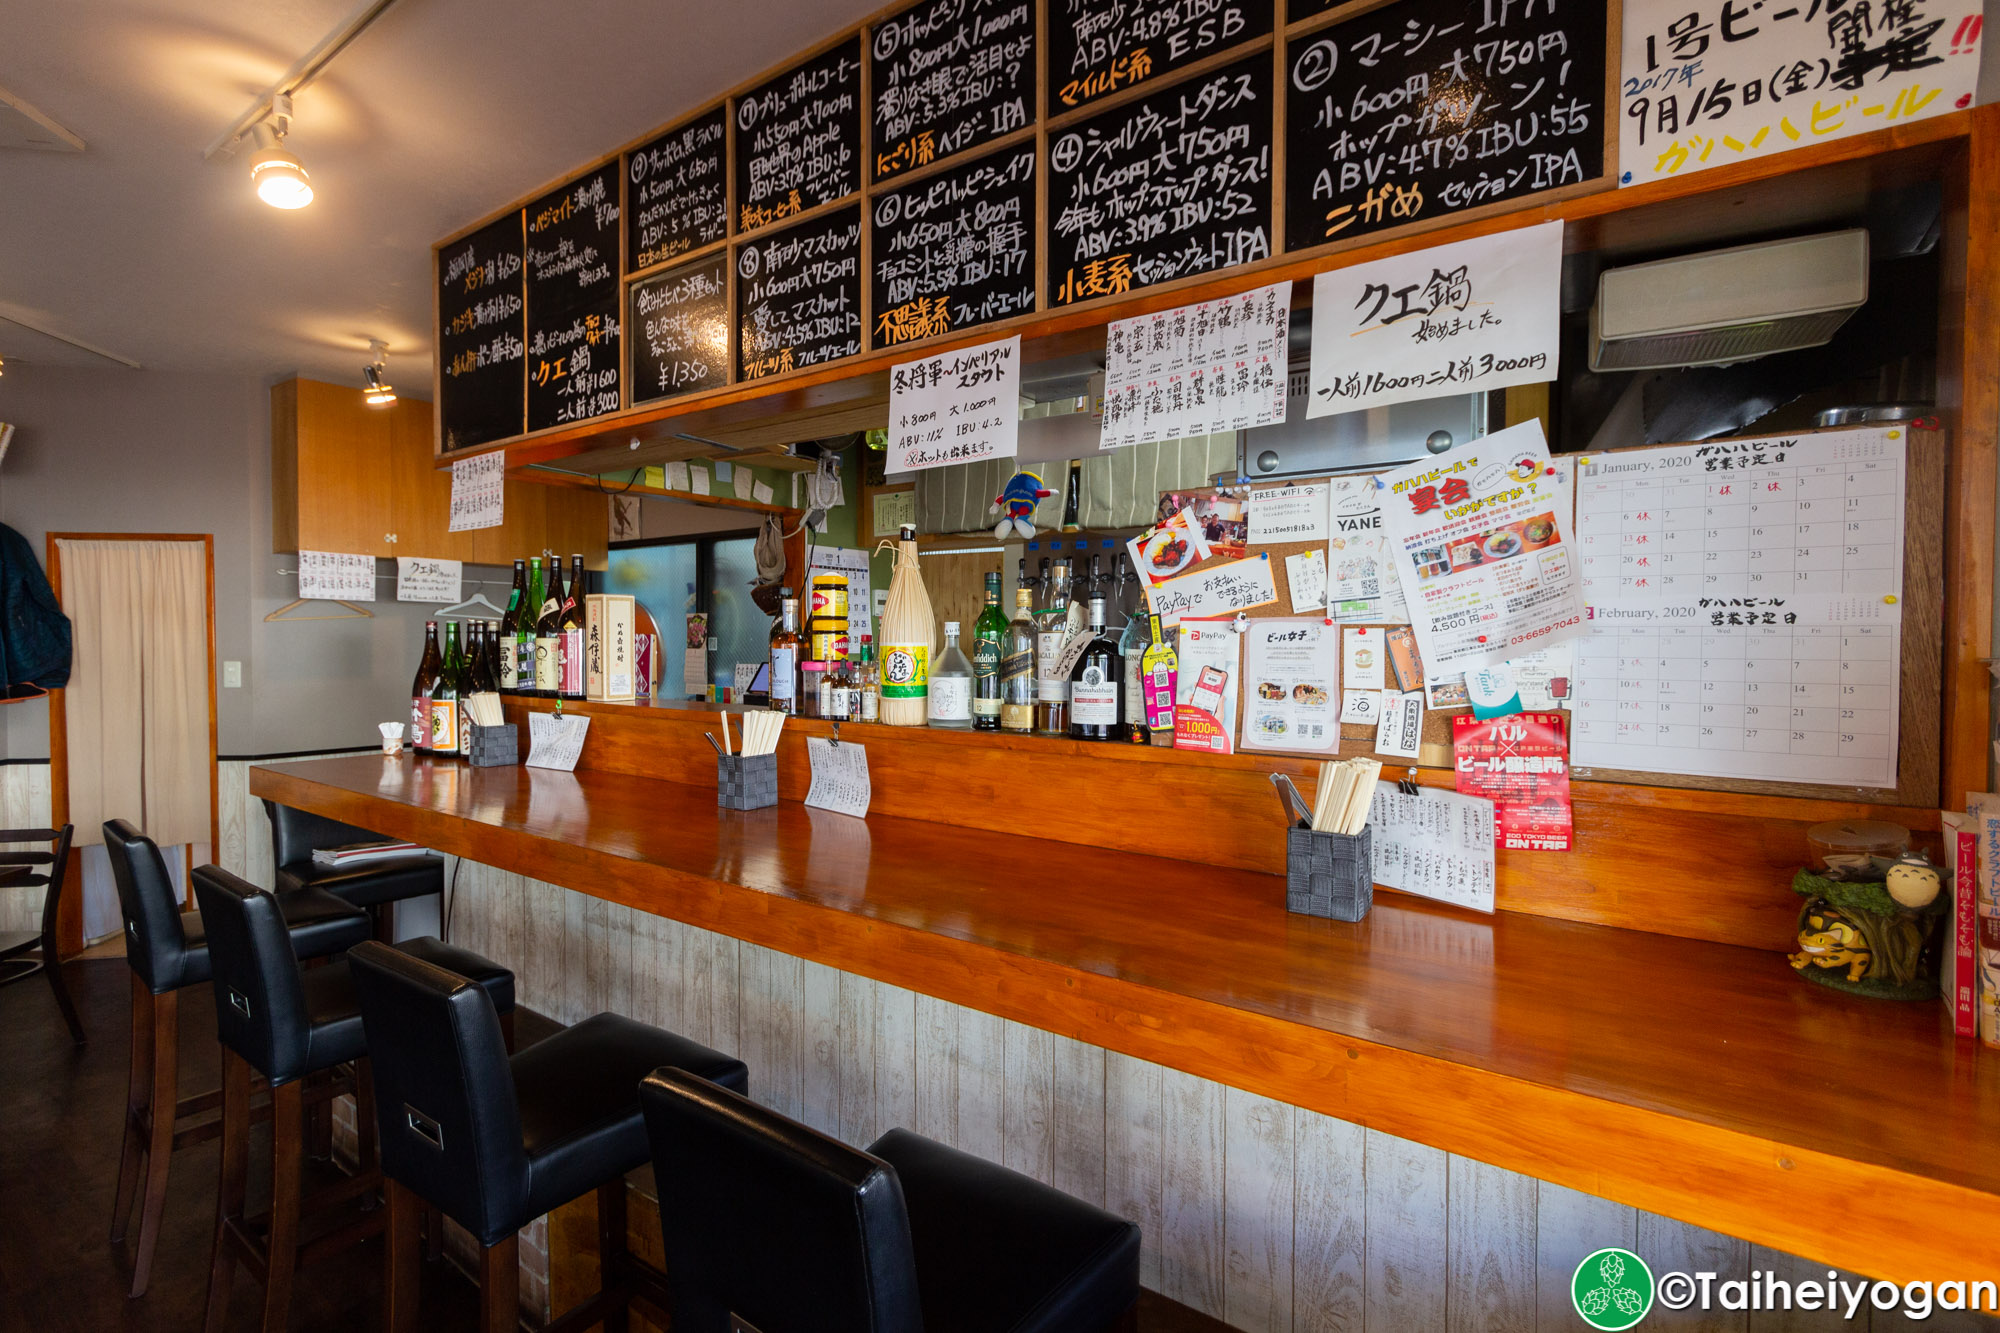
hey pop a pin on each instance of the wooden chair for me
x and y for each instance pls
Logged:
(13, 967)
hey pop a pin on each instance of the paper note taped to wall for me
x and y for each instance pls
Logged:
(479, 491)
(336, 576)
(956, 407)
(422, 579)
(1217, 590)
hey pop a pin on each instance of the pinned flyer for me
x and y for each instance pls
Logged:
(479, 491)
(336, 576)
(840, 780)
(1400, 733)
(956, 407)
(1217, 590)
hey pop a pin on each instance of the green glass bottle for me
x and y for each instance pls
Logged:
(989, 645)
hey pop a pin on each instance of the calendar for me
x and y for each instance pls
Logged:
(1744, 603)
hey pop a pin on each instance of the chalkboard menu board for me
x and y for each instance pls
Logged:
(572, 280)
(798, 295)
(954, 250)
(680, 330)
(949, 75)
(675, 191)
(1427, 107)
(798, 138)
(1097, 47)
(480, 326)
(1177, 182)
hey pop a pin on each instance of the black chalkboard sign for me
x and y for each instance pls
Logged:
(948, 75)
(680, 330)
(798, 295)
(954, 250)
(1177, 182)
(480, 329)
(1426, 107)
(1097, 47)
(675, 191)
(798, 138)
(572, 280)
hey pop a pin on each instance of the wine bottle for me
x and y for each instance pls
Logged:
(1097, 685)
(989, 636)
(524, 630)
(951, 685)
(548, 636)
(508, 676)
(445, 697)
(784, 686)
(428, 668)
(1051, 637)
(479, 678)
(1017, 662)
(573, 660)
(1132, 644)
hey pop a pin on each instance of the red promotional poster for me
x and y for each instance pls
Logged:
(1520, 763)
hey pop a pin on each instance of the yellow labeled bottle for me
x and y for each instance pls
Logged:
(906, 640)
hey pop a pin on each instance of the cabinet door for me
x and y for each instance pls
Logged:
(343, 472)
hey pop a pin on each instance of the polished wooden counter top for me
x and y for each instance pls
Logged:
(1695, 1079)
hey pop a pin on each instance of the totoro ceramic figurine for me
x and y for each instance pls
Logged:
(1913, 882)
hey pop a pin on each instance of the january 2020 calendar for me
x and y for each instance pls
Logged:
(1745, 608)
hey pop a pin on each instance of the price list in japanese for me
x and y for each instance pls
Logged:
(1745, 612)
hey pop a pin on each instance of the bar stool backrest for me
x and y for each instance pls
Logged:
(297, 834)
(260, 1002)
(155, 944)
(450, 1125)
(771, 1221)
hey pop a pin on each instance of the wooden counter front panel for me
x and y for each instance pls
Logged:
(1704, 865)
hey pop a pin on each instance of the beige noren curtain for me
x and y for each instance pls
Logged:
(137, 699)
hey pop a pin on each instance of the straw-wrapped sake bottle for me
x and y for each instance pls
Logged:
(907, 629)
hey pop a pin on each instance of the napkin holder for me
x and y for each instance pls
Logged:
(1329, 874)
(746, 781)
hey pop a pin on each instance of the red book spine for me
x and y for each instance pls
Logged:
(1962, 957)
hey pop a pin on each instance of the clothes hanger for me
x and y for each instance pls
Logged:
(477, 599)
(354, 612)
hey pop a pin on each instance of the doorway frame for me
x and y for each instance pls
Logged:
(69, 913)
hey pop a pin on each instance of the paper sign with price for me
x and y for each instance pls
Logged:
(839, 777)
(956, 407)
(478, 491)
(420, 579)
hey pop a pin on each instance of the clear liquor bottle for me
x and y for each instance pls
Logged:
(951, 685)
(1051, 637)
(784, 683)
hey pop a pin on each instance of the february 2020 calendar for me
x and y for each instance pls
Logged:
(1745, 608)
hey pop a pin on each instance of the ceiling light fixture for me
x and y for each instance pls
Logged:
(276, 172)
(376, 390)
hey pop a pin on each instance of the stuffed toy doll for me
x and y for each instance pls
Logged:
(1016, 504)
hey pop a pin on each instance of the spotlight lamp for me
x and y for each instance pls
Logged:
(376, 390)
(276, 172)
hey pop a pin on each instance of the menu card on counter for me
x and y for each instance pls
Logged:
(480, 335)
(1097, 47)
(680, 322)
(1436, 844)
(798, 295)
(1175, 183)
(949, 75)
(572, 286)
(555, 742)
(1423, 108)
(798, 138)
(674, 191)
(840, 781)
(955, 250)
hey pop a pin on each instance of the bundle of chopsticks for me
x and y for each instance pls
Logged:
(484, 708)
(1346, 787)
(760, 732)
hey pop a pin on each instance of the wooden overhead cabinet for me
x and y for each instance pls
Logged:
(364, 480)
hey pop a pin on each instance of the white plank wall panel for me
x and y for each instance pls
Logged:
(24, 803)
(1270, 1217)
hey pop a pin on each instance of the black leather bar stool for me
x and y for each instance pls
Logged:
(285, 1022)
(496, 1143)
(18, 866)
(778, 1226)
(375, 885)
(167, 950)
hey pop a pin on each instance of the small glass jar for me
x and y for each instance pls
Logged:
(1856, 847)
(812, 691)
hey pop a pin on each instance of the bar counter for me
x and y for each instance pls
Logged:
(1702, 1081)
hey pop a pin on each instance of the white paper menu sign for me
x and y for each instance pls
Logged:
(1704, 83)
(1291, 673)
(840, 780)
(555, 742)
(1458, 318)
(1197, 369)
(1217, 590)
(335, 576)
(422, 579)
(1295, 513)
(956, 407)
(479, 491)
(1437, 844)
(1483, 548)
(1742, 622)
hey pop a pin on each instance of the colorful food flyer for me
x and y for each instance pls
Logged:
(1290, 670)
(1221, 515)
(1362, 571)
(1169, 547)
(1205, 693)
(1484, 552)
(1521, 764)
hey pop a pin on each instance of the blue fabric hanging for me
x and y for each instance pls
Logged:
(34, 633)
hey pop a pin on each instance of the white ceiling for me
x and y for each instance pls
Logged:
(440, 113)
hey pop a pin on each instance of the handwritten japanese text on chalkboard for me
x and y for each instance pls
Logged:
(572, 284)
(682, 321)
(675, 191)
(798, 138)
(1097, 47)
(1178, 182)
(481, 331)
(1426, 107)
(956, 249)
(798, 296)
(950, 75)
